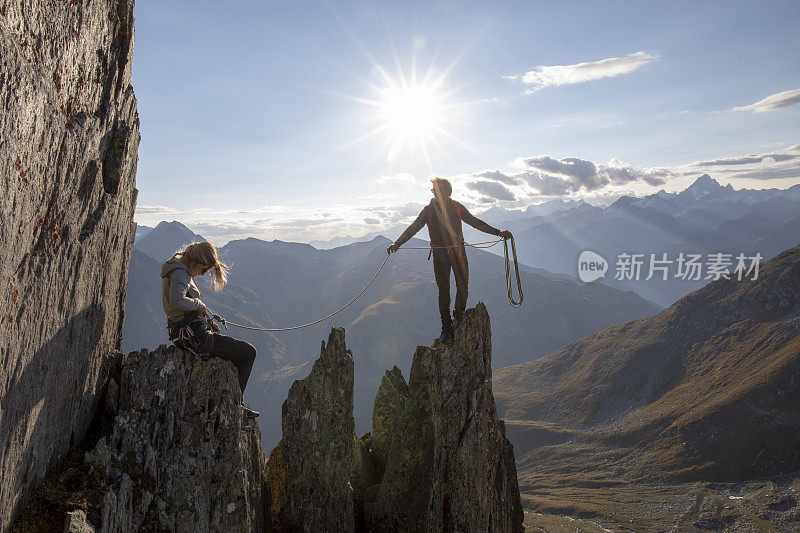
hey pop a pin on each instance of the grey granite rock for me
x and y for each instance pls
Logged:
(387, 411)
(69, 135)
(449, 465)
(182, 456)
(75, 522)
(309, 470)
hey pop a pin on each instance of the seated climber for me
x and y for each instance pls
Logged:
(443, 217)
(188, 322)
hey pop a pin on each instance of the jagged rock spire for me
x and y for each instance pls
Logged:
(448, 465)
(309, 470)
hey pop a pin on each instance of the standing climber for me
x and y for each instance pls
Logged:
(443, 216)
(187, 317)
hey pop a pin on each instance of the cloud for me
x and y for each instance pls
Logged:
(552, 176)
(792, 171)
(547, 185)
(410, 209)
(619, 173)
(581, 172)
(526, 180)
(773, 102)
(492, 189)
(496, 175)
(153, 209)
(554, 75)
(793, 152)
(403, 177)
(778, 164)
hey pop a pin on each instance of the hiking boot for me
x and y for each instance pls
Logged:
(248, 412)
(447, 333)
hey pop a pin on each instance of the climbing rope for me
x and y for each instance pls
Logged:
(514, 303)
(321, 319)
(486, 244)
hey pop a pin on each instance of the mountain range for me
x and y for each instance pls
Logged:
(708, 389)
(279, 284)
(705, 218)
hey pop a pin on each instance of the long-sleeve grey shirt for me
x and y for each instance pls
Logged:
(179, 293)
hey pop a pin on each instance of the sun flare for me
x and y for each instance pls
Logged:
(411, 115)
(411, 111)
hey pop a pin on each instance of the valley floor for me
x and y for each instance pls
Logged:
(767, 505)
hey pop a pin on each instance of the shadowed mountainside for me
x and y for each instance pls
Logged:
(165, 239)
(708, 389)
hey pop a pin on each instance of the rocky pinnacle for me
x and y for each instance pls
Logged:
(437, 460)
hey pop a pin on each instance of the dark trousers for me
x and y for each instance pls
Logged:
(242, 354)
(445, 260)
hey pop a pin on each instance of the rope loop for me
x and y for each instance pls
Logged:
(514, 303)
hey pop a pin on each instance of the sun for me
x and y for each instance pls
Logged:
(411, 114)
(412, 111)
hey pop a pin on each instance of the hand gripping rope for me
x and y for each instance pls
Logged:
(487, 244)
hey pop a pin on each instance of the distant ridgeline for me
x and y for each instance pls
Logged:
(705, 218)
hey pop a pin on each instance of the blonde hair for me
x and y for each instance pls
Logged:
(205, 254)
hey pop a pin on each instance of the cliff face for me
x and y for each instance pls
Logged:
(69, 135)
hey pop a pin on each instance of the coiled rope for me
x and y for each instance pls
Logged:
(514, 303)
(487, 244)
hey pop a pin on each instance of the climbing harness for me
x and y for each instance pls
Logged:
(487, 244)
(183, 335)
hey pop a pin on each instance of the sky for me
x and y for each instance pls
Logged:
(310, 120)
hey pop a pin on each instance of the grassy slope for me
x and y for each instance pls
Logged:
(707, 389)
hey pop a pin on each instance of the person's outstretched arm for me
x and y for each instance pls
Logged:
(410, 231)
(479, 224)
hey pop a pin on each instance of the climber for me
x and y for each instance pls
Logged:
(443, 216)
(188, 322)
